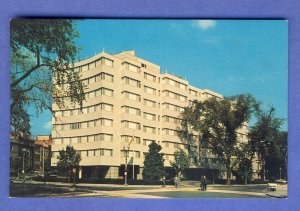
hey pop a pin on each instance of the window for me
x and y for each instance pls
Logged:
(107, 122)
(107, 137)
(84, 68)
(107, 152)
(150, 77)
(97, 152)
(83, 139)
(149, 116)
(74, 126)
(91, 138)
(132, 67)
(131, 82)
(168, 131)
(131, 110)
(131, 96)
(92, 65)
(172, 107)
(149, 90)
(66, 141)
(148, 129)
(127, 139)
(149, 103)
(104, 61)
(174, 95)
(84, 124)
(137, 154)
(107, 77)
(107, 92)
(107, 107)
(131, 125)
(74, 140)
(171, 119)
(193, 93)
(83, 153)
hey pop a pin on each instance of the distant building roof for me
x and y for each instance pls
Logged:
(45, 140)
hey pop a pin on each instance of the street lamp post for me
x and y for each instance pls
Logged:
(126, 150)
(23, 166)
(126, 170)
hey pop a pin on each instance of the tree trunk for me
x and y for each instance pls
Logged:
(228, 176)
(246, 179)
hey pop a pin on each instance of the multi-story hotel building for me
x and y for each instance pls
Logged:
(126, 97)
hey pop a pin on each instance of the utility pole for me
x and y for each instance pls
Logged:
(126, 150)
(125, 172)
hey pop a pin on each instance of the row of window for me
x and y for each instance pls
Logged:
(175, 145)
(174, 95)
(131, 81)
(99, 92)
(125, 109)
(131, 153)
(137, 97)
(132, 67)
(172, 107)
(193, 93)
(171, 119)
(92, 65)
(85, 110)
(175, 83)
(168, 131)
(98, 77)
(86, 124)
(91, 153)
(84, 139)
(137, 83)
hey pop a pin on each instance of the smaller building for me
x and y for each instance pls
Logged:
(42, 153)
(21, 155)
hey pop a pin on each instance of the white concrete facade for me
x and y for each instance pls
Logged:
(126, 96)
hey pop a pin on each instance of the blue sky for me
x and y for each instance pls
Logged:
(227, 56)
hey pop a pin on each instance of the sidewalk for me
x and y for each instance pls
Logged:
(136, 191)
(281, 192)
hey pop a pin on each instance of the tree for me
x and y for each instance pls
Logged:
(40, 49)
(154, 163)
(181, 162)
(68, 160)
(245, 155)
(270, 142)
(217, 121)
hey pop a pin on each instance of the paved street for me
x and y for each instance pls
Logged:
(38, 189)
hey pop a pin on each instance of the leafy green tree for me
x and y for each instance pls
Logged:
(245, 170)
(67, 160)
(154, 163)
(181, 162)
(217, 120)
(270, 142)
(39, 49)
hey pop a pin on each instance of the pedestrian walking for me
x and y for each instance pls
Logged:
(176, 181)
(163, 182)
(205, 182)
